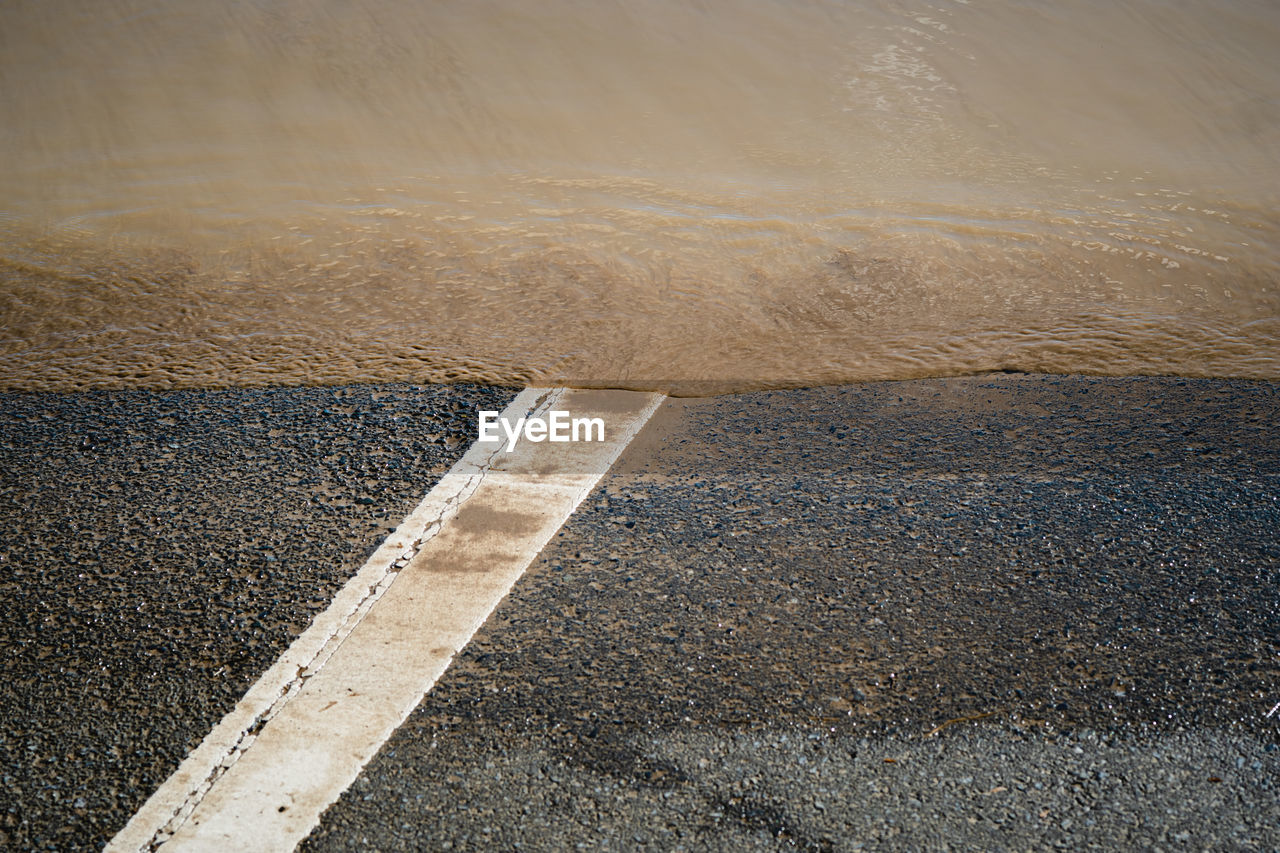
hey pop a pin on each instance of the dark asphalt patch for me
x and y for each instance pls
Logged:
(1041, 558)
(160, 550)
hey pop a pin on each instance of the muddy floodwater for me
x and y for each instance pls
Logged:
(698, 196)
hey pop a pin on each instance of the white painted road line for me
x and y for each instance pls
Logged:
(303, 732)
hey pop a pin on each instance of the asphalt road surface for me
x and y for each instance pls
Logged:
(160, 550)
(1004, 613)
(994, 614)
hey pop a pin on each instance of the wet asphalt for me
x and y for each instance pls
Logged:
(159, 550)
(993, 613)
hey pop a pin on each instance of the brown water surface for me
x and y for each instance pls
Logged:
(699, 195)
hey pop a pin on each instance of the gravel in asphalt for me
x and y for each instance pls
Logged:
(160, 550)
(1004, 612)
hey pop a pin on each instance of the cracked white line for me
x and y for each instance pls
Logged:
(303, 732)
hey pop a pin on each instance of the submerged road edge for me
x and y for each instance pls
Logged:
(300, 736)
